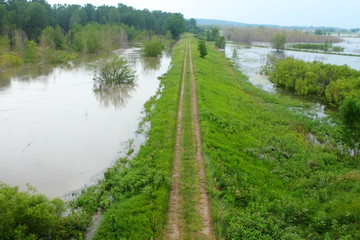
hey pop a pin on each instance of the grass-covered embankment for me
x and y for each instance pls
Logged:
(267, 180)
(134, 193)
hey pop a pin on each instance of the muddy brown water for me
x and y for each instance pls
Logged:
(57, 134)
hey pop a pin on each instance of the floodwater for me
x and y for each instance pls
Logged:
(57, 134)
(251, 59)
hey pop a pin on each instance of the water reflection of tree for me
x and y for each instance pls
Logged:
(115, 95)
(26, 73)
(5, 80)
(150, 64)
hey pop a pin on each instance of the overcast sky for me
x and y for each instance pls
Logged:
(332, 13)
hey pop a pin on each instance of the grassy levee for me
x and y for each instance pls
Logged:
(266, 179)
(134, 193)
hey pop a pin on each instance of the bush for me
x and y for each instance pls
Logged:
(30, 52)
(28, 215)
(202, 48)
(59, 56)
(113, 72)
(350, 115)
(278, 41)
(152, 48)
(10, 59)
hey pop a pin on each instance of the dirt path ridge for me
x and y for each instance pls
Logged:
(174, 222)
(175, 227)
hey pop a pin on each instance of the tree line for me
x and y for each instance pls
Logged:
(32, 17)
(32, 31)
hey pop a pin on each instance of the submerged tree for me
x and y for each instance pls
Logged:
(152, 48)
(202, 48)
(113, 72)
(278, 41)
(235, 56)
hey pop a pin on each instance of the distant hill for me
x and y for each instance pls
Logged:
(215, 22)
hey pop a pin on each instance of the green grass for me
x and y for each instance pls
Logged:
(266, 179)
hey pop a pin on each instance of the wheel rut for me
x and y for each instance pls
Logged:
(180, 223)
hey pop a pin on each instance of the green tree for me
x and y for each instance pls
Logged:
(220, 42)
(30, 51)
(53, 38)
(350, 115)
(202, 48)
(212, 34)
(175, 24)
(152, 48)
(235, 56)
(191, 26)
(37, 18)
(278, 41)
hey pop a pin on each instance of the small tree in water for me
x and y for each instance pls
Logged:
(113, 72)
(202, 48)
(235, 56)
(278, 41)
(152, 48)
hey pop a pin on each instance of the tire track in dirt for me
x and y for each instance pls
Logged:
(176, 225)
(174, 222)
(204, 203)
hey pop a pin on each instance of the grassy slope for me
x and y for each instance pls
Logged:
(267, 181)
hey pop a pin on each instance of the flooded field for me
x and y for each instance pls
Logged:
(56, 133)
(251, 59)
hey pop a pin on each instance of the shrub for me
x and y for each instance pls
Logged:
(202, 48)
(278, 41)
(113, 72)
(31, 52)
(29, 215)
(10, 59)
(59, 56)
(350, 115)
(152, 48)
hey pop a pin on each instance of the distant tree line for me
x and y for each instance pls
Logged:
(31, 17)
(263, 34)
(33, 31)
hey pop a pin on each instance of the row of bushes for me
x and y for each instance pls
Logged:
(327, 46)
